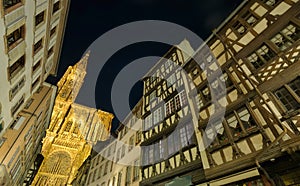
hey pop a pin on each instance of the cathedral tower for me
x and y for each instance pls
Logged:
(72, 131)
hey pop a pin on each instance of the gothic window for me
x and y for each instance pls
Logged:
(68, 126)
(286, 37)
(261, 56)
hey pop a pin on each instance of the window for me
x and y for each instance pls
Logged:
(106, 168)
(157, 116)
(145, 154)
(286, 37)
(123, 151)
(171, 80)
(1, 128)
(131, 143)
(241, 29)
(16, 67)
(176, 103)
(36, 66)
(205, 94)
(38, 46)
(162, 149)
(151, 151)
(138, 137)
(225, 79)
(16, 88)
(270, 2)
(39, 18)
(10, 3)
(128, 175)
(100, 171)
(152, 96)
(35, 83)
(249, 18)
(118, 154)
(50, 51)
(136, 170)
(148, 122)
(295, 86)
(14, 38)
(287, 100)
(239, 121)
(56, 7)
(119, 179)
(52, 31)
(16, 107)
(261, 56)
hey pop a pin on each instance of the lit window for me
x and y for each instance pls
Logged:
(286, 37)
(249, 18)
(261, 56)
(270, 2)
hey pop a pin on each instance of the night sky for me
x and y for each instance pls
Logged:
(89, 19)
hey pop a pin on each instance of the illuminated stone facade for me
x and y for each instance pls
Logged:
(72, 132)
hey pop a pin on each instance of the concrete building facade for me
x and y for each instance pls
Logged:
(31, 34)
